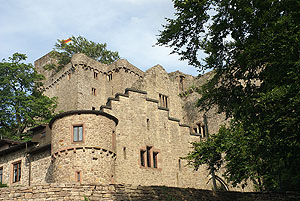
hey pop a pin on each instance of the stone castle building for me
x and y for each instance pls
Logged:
(118, 125)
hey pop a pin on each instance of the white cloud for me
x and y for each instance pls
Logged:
(128, 26)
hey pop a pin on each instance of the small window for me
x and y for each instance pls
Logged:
(155, 159)
(78, 176)
(163, 101)
(17, 172)
(96, 75)
(93, 91)
(109, 77)
(148, 124)
(93, 108)
(149, 156)
(77, 133)
(1, 175)
(142, 157)
(124, 152)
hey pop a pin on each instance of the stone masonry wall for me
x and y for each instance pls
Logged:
(36, 167)
(60, 192)
(143, 124)
(7, 162)
(92, 158)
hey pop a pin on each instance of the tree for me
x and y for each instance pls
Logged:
(254, 49)
(23, 105)
(64, 51)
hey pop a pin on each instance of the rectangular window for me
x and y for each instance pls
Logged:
(78, 176)
(96, 75)
(93, 108)
(155, 159)
(148, 156)
(16, 172)
(109, 77)
(142, 157)
(93, 91)
(163, 101)
(1, 175)
(77, 133)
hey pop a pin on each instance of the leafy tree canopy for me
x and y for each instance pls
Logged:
(254, 49)
(64, 51)
(22, 104)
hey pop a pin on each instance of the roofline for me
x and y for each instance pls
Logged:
(72, 112)
(17, 147)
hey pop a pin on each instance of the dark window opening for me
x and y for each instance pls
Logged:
(96, 75)
(179, 164)
(124, 152)
(93, 108)
(148, 156)
(163, 101)
(155, 159)
(148, 124)
(142, 157)
(78, 176)
(77, 133)
(109, 77)
(16, 172)
(93, 91)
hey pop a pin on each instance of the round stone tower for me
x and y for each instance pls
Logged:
(83, 147)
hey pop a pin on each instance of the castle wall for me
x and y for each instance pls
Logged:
(7, 161)
(41, 168)
(89, 160)
(143, 124)
(64, 86)
(156, 81)
(120, 192)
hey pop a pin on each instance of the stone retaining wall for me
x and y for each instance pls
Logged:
(77, 192)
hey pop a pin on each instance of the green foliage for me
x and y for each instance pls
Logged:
(22, 103)
(3, 185)
(254, 49)
(64, 51)
(86, 198)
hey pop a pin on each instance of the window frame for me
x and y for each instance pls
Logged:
(73, 134)
(78, 173)
(96, 75)
(149, 158)
(15, 178)
(163, 101)
(94, 91)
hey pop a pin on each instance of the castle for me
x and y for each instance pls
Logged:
(118, 125)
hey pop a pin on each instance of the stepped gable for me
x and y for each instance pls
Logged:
(108, 105)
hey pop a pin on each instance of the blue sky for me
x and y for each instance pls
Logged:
(130, 27)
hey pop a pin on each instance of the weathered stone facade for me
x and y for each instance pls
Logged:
(119, 192)
(135, 128)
